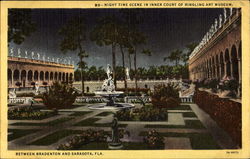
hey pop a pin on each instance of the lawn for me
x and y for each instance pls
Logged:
(51, 123)
(17, 133)
(198, 140)
(189, 124)
(91, 122)
(104, 114)
(54, 137)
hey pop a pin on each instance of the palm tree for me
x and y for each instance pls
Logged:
(190, 47)
(106, 33)
(174, 56)
(73, 34)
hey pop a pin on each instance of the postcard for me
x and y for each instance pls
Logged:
(125, 79)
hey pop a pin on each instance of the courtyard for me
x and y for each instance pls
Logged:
(187, 127)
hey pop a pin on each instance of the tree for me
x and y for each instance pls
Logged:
(174, 56)
(20, 25)
(190, 47)
(106, 33)
(73, 34)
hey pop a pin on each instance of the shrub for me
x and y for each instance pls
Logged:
(59, 96)
(226, 113)
(231, 85)
(85, 137)
(25, 94)
(165, 96)
(18, 84)
(142, 114)
(153, 140)
(27, 113)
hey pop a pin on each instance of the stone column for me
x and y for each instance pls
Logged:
(239, 69)
(12, 78)
(225, 69)
(220, 72)
(231, 69)
(215, 71)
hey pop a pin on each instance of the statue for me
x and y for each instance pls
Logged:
(12, 94)
(36, 88)
(48, 59)
(127, 73)
(26, 54)
(225, 15)
(220, 21)
(109, 72)
(43, 57)
(231, 11)
(18, 52)
(53, 59)
(115, 143)
(11, 52)
(38, 56)
(212, 29)
(215, 25)
(108, 84)
(57, 60)
(32, 55)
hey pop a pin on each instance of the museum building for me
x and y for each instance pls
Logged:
(25, 72)
(218, 55)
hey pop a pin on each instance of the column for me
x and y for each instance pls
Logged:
(239, 69)
(231, 69)
(225, 69)
(12, 78)
(215, 69)
(220, 71)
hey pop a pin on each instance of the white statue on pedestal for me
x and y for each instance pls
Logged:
(220, 21)
(32, 55)
(12, 94)
(26, 54)
(18, 52)
(225, 15)
(43, 57)
(127, 73)
(231, 11)
(108, 84)
(215, 25)
(38, 56)
(109, 72)
(36, 88)
(11, 52)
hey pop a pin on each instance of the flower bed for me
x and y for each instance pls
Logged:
(225, 112)
(153, 140)
(26, 113)
(143, 114)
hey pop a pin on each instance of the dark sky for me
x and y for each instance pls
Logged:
(166, 30)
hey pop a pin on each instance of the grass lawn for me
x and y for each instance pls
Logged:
(54, 137)
(51, 123)
(16, 133)
(104, 146)
(91, 122)
(104, 114)
(80, 113)
(198, 140)
(189, 114)
(191, 124)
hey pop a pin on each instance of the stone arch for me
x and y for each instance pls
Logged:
(222, 71)
(71, 77)
(30, 75)
(227, 61)
(16, 75)
(51, 76)
(46, 75)
(60, 76)
(9, 75)
(23, 77)
(36, 76)
(41, 76)
(56, 75)
(63, 76)
(67, 77)
(234, 61)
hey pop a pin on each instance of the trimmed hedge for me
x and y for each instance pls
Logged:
(226, 113)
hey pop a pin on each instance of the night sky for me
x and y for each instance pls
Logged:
(166, 30)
